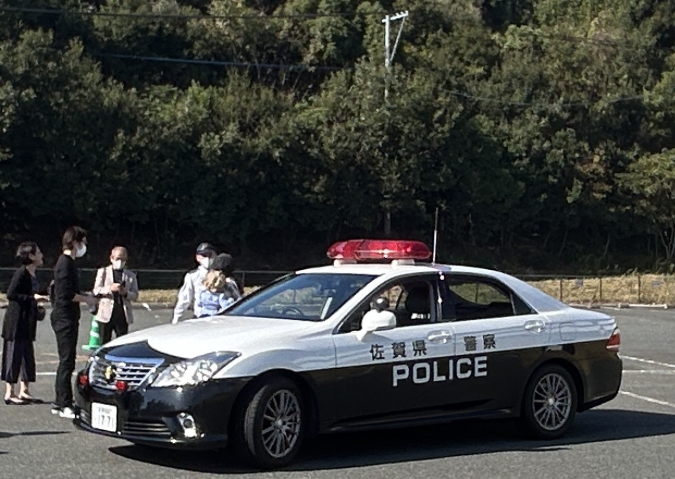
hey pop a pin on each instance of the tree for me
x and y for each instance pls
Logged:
(651, 183)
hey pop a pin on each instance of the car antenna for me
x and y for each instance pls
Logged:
(433, 259)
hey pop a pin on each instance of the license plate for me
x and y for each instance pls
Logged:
(104, 417)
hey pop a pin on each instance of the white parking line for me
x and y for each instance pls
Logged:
(648, 361)
(668, 372)
(648, 399)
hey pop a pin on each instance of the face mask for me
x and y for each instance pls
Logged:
(118, 264)
(81, 251)
(205, 262)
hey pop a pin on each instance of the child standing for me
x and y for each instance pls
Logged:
(216, 297)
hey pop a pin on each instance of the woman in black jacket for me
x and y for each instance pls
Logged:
(20, 324)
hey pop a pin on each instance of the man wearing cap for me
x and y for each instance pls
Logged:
(193, 283)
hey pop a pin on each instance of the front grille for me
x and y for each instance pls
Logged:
(106, 371)
(156, 429)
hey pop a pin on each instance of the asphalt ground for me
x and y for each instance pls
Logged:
(632, 436)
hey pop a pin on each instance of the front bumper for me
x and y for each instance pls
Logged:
(151, 415)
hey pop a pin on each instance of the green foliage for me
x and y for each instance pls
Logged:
(541, 129)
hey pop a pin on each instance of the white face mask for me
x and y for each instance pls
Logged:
(81, 251)
(118, 264)
(205, 262)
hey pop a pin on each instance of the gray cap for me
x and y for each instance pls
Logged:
(206, 248)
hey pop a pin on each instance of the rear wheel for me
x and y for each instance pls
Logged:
(549, 403)
(269, 424)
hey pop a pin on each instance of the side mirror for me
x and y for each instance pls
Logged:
(375, 320)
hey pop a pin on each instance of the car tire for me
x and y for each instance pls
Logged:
(269, 424)
(549, 403)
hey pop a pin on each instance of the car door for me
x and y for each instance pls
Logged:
(400, 369)
(494, 326)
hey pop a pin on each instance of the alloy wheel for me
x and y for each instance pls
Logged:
(281, 423)
(552, 401)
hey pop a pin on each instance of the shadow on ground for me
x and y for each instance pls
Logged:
(5, 435)
(342, 451)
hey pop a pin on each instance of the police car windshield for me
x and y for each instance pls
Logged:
(307, 297)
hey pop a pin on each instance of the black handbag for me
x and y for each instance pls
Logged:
(41, 313)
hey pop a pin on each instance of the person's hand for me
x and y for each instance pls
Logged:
(115, 287)
(40, 297)
(91, 300)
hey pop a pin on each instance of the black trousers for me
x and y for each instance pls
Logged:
(118, 324)
(66, 343)
(18, 356)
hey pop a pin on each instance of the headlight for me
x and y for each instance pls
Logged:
(193, 371)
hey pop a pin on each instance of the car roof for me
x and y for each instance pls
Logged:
(394, 267)
(536, 298)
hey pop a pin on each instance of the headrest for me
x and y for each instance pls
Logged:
(417, 300)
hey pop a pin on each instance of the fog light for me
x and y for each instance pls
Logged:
(187, 422)
(121, 386)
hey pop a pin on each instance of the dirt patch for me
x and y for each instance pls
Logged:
(642, 289)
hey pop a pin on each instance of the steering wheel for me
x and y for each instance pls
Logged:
(292, 310)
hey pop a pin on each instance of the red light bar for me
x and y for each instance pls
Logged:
(365, 249)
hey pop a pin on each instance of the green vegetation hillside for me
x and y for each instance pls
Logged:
(542, 130)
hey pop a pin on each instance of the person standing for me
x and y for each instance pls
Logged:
(214, 298)
(65, 317)
(117, 287)
(225, 264)
(188, 296)
(20, 325)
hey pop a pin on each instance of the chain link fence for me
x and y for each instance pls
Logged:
(628, 289)
(581, 289)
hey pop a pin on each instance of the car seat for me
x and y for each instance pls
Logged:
(417, 307)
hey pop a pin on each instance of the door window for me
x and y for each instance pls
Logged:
(412, 301)
(480, 298)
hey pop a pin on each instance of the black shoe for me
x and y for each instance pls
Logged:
(14, 401)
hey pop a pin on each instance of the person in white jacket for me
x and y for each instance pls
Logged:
(188, 295)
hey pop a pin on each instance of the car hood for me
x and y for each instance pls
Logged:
(195, 337)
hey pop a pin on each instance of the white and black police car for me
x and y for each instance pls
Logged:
(377, 339)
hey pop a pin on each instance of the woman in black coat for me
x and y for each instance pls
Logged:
(20, 324)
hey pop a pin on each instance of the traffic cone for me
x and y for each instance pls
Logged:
(94, 336)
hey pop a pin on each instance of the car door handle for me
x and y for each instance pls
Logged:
(536, 326)
(439, 336)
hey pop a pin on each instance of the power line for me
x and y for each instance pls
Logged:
(537, 104)
(276, 66)
(189, 61)
(308, 16)
(178, 16)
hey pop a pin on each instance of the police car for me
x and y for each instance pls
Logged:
(377, 339)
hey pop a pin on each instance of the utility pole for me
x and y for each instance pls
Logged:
(388, 58)
(388, 52)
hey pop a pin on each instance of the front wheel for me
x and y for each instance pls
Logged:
(269, 424)
(549, 403)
